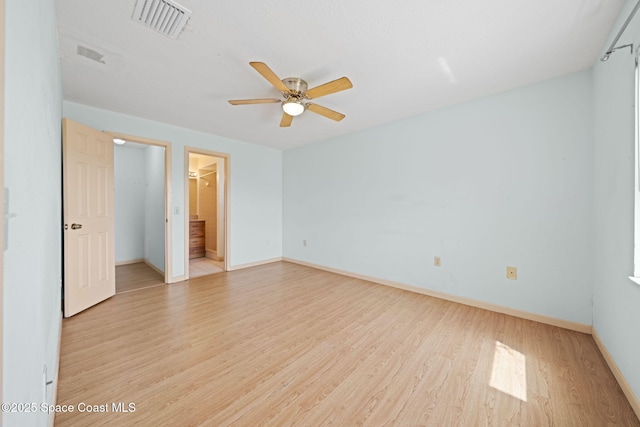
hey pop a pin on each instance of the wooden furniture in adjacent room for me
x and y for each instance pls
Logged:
(196, 239)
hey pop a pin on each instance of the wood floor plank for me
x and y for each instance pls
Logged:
(131, 277)
(282, 344)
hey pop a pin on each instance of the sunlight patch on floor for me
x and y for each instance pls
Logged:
(509, 371)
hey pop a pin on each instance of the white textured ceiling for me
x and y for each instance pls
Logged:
(404, 58)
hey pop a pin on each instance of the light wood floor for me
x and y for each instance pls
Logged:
(131, 277)
(282, 344)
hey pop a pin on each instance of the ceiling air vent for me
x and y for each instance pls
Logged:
(165, 16)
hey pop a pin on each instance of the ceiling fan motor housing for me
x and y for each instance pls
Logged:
(296, 85)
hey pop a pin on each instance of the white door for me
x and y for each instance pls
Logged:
(89, 254)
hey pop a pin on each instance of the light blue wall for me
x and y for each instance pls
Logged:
(139, 203)
(616, 300)
(506, 180)
(32, 172)
(256, 183)
(154, 209)
(129, 202)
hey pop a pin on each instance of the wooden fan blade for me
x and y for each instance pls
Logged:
(328, 88)
(253, 101)
(324, 111)
(271, 77)
(286, 120)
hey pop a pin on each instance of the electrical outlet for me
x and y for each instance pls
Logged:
(512, 273)
(436, 261)
(304, 242)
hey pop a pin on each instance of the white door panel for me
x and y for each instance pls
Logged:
(89, 256)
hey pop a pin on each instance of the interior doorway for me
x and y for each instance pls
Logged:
(141, 189)
(206, 203)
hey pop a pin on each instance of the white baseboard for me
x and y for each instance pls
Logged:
(153, 267)
(574, 326)
(56, 370)
(178, 279)
(624, 385)
(254, 264)
(211, 254)
(130, 261)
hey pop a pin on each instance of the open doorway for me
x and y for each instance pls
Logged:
(206, 201)
(140, 211)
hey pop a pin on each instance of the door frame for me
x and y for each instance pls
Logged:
(227, 210)
(168, 220)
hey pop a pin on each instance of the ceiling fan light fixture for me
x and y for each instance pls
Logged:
(295, 94)
(293, 107)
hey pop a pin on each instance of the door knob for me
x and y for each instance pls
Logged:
(76, 226)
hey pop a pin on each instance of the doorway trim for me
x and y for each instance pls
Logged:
(168, 222)
(227, 210)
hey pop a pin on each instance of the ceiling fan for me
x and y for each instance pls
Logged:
(295, 93)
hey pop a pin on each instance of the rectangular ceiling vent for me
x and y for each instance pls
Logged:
(164, 16)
